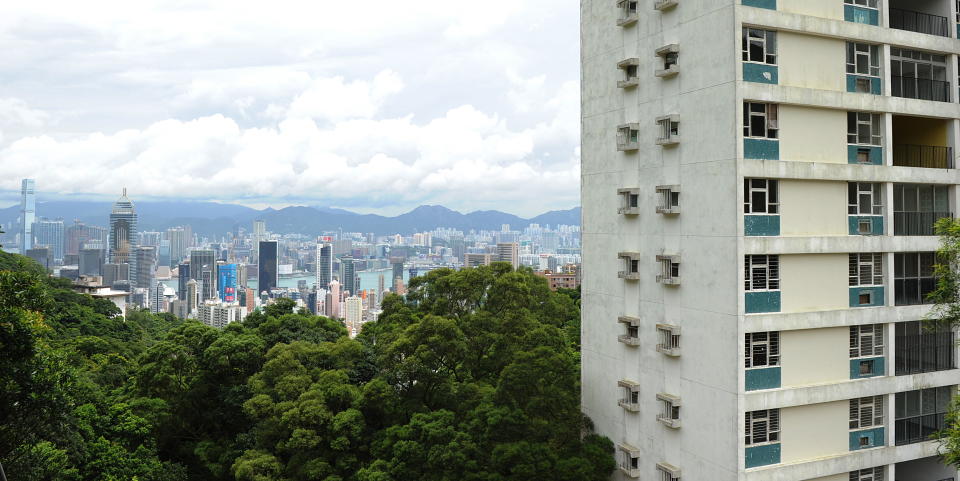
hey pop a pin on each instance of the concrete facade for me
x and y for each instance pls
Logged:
(781, 322)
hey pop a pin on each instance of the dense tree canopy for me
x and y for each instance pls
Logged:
(474, 375)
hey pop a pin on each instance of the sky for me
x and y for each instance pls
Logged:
(373, 106)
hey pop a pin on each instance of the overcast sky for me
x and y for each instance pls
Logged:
(373, 106)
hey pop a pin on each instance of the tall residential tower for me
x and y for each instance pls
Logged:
(28, 213)
(760, 180)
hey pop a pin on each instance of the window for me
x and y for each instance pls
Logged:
(629, 201)
(629, 460)
(668, 129)
(631, 265)
(667, 472)
(920, 349)
(669, 269)
(913, 277)
(761, 349)
(668, 339)
(863, 128)
(760, 120)
(760, 196)
(629, 395)
(919, 75)
(917, 207)
(632, 326)
(866, 270)
(919, 414)
(669, 410)
(862, 3)
(762, 273)
(863, 59)
(668, 199)
(864, 198)
(866, 412)
(759, 46)
(628, 12)
(762, 427)
(628, 137)
(866, 341)
(869, 474)
(630, 68)
(670, 56)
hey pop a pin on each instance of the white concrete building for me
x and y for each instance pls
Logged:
(218, 314)
(759, 183)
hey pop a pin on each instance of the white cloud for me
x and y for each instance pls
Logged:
(360, 104)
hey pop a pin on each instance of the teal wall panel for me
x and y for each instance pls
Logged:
(766, 149)
(869, 16)
(878, 367)
(875, 437)
(771, 4)
(877, 298)
(761, 73)
(875, 87)
(762, 455)
(761, 225)
(875, 153)
(876, 224)
(762, 378)
(758, 302)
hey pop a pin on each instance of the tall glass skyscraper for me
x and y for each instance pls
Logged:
(123, 230)
(28, 212)
(227, 282)
(267, 266)
(324, 265)
(50, 233)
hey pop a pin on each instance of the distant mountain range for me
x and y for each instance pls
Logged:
(213, 219)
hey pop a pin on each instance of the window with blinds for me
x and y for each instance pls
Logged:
(866, 412)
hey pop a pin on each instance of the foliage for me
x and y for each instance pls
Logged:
(474, 375)
(946, 314)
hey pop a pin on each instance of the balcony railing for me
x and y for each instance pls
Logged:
(926, 156)
(926, 352)
(918, 428)
(920, 88)
(917, 223)
(919, 22)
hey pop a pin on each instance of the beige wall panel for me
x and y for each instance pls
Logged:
(814, 282)
(813, 208)
(818, 8)
(812, 62)
(813, 135)
(814, 430)
(814, 356)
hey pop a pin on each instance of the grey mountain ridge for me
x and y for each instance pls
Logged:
(215, 219)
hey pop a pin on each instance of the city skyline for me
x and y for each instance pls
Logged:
(469, 109)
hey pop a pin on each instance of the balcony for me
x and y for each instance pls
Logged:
(919, 350)
(924, 468)
(924, 156)
(917, 223)
(920, 88)
(919, 22)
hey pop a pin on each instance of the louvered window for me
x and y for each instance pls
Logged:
(762, 427)
(866, 341)
(866, 270)
(866, 412)
(869, 474)
(762, 273)
(762, 349)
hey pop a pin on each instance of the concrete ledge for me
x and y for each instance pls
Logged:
(793, 169)
(843, 463)
(832, 99)
(827, 27)
(838, 244)
(849, 389)
(841, 317)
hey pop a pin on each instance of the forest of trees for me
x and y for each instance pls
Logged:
(474, 375)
